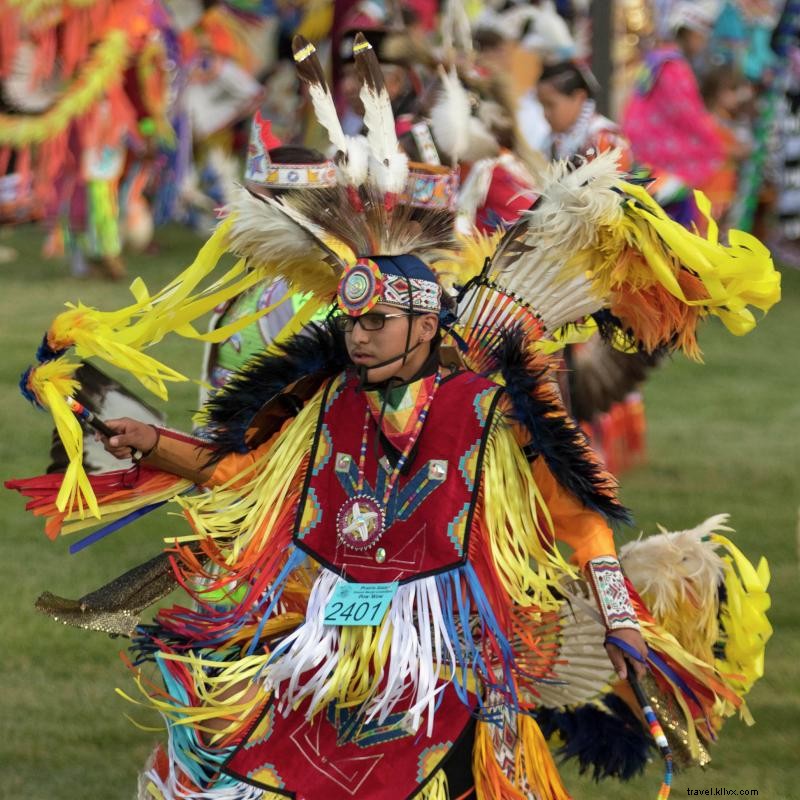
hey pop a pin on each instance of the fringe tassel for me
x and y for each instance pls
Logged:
(438, 630)
(535, 775)
(436, 788)
(198, 690)
(537, 762)
(511, 546)
(244, 529)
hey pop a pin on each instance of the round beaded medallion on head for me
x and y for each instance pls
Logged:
(361, 287)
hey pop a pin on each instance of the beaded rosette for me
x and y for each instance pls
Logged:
(361, 287)
(360, 522)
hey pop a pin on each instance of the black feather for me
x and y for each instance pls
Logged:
(609, 741)
(319, 350)
(307, 62)
(369, 69)
(554, 436)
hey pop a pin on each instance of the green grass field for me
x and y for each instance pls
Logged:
(724, 436)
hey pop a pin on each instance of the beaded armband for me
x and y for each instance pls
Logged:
(611, 592)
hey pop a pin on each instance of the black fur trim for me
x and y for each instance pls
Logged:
(554, 435)
(318, 350)
(610, 741)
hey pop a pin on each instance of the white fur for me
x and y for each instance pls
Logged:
(665, 566)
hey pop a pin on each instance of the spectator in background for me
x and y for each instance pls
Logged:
(665, 119)
(725, 91)
(566, 92)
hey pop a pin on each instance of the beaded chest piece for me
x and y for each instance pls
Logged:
(372, 520)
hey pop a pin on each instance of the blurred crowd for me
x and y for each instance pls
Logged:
(118, 116)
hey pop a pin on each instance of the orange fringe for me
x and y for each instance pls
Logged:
(532, 759)
(657, 318)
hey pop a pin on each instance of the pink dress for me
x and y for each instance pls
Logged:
(667, 123)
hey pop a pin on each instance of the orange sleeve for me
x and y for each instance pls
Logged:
(189, 457)
(234, 463)
(584, 530)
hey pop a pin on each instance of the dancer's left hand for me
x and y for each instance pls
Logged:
(634, 638)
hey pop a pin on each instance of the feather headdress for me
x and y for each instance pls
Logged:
(311, 237)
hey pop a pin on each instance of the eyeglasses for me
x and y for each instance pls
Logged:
(371, 321)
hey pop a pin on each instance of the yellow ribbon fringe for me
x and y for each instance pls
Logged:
(120, 338)
(735, 276)
(510, 507)
(534, 766)
(744, 617)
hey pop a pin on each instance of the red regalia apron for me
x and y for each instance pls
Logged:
(427, 523)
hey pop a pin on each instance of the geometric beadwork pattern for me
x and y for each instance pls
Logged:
(466, 464)
(324, 450)
(430, 758)
(612, 594)
(312, 515)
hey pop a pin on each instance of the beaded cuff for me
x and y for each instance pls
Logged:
(612, 593)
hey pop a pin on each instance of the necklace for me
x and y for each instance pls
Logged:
(573, 141)
(361, 520)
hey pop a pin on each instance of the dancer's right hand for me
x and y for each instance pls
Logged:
(130, 434)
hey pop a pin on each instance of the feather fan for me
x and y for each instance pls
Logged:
(281, 241)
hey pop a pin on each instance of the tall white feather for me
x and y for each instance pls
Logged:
(352, 165)
(325, 111)
(388, 164)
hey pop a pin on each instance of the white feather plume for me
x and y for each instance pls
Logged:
(325, 111)
(456, 30)
(451, 117)
(357, 166)
(388, 164)
(352, 167)
(671, 566)
(550, 36)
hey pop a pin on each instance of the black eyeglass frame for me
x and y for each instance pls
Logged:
(344, 323)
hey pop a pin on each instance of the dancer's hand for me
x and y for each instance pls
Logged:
(130, 434)
(617, 657)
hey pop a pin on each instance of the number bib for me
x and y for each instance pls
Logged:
(359, 603)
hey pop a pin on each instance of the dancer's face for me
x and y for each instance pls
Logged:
(366, 347)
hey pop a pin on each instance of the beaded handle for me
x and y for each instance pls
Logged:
(656, 730)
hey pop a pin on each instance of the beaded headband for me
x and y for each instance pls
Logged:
(365, 285)
(261, 172)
